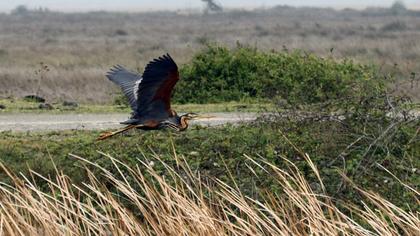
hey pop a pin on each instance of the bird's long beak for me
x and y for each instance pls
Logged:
(203, 117)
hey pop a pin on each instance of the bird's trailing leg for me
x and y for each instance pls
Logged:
(111, 134)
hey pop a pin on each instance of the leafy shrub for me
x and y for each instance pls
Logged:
(360, 140)
(219, 74)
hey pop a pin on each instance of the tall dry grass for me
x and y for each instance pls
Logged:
(182, 202)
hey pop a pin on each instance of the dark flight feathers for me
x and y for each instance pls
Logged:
(158, 80)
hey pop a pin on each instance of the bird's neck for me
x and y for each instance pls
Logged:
(184, 123)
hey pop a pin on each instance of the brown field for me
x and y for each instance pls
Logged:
(79, 48)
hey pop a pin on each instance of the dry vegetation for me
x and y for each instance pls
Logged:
(181, 202)
(215, 189)
(79, 48)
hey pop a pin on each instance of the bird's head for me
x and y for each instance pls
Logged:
(191, 116)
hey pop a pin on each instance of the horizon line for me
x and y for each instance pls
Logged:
(196, 9)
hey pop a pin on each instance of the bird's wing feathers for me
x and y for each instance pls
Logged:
(128, 81)
(159, 79)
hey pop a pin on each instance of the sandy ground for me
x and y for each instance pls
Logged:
(45, 122)
(56, 122)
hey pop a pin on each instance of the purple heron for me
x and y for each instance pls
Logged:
(149, 96)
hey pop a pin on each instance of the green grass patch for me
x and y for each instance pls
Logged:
(208, 150)
(21, 106)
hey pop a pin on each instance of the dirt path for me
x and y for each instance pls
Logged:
(41, 122)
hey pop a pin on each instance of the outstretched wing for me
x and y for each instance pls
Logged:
(159, 79)
(128, 81)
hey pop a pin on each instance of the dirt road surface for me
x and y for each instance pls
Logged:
(57, 122)
(50, 122)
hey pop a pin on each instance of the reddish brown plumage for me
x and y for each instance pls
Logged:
(149, 95)
(151, 124)
(164, 92)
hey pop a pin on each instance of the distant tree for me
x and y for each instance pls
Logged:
(20, 10)
(398, 8)
(213, 6)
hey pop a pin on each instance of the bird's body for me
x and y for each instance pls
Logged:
(149, 96)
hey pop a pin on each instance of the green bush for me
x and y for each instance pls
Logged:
(219, 74)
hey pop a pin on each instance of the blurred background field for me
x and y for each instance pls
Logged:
(78, 48)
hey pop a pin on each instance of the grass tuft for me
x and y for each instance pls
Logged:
(181, 202)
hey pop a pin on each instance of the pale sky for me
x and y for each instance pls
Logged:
(142, 5)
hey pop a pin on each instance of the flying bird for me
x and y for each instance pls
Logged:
(149, 96)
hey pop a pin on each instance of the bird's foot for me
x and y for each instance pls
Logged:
(105, 135)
